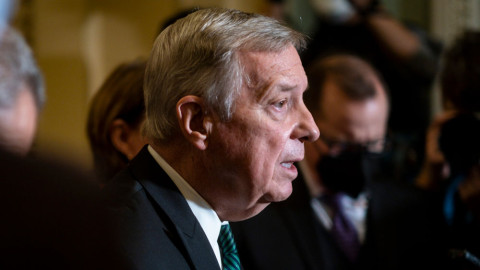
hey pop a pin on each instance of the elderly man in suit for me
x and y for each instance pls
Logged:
(225, 123)
(341, 215)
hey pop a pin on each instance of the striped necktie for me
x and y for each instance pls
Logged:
(228, 249)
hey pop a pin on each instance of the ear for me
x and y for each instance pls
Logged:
(121, 134)
(193, 121)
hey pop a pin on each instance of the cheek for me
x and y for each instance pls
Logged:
(251, 156)
(268, 154)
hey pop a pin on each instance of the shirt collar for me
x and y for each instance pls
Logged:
(354, 209)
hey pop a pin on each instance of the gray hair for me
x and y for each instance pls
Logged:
(17, 67)
(199, 55)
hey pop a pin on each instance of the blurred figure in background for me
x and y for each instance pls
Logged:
(406, 57)
(52, 217)
(342, 214)
(22, 93)
(452, 163)
(51, 211)
(116, 114)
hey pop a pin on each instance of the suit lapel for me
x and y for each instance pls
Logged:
(168, 199)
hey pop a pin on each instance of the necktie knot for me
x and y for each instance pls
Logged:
(230, 260)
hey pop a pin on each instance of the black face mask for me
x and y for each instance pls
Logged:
(348, 172)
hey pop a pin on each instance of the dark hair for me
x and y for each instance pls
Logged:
(352, 75)
(120, 97)
(460, 77)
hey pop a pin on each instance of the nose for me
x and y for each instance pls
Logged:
(306, 129)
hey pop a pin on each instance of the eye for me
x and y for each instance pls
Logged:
(280, 104)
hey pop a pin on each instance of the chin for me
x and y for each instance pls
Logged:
(281, 194)
(240, 214)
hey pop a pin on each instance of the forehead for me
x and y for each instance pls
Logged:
(267, 70)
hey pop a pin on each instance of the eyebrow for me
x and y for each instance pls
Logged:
(283, 87)
(286, 87)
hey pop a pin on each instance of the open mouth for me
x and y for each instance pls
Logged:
(287, 165)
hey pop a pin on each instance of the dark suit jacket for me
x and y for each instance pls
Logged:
(155, 228)
(401, 234)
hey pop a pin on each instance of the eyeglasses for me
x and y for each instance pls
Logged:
(375, 146)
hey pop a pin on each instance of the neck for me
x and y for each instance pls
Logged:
(179, 156)
(189, 163)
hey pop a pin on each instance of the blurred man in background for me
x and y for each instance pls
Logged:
(406, 57)
(22, 93)
(51, 211)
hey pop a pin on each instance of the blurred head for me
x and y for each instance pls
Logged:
(115, 117)
(345, 11)
(335, 11)
(460, 77)
(350, 106)
(21, 93)
(226, 86)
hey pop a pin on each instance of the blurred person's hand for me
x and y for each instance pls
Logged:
(469, 190)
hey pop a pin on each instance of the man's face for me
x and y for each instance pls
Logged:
(352, 122)
(255, 151)
(352, 132)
